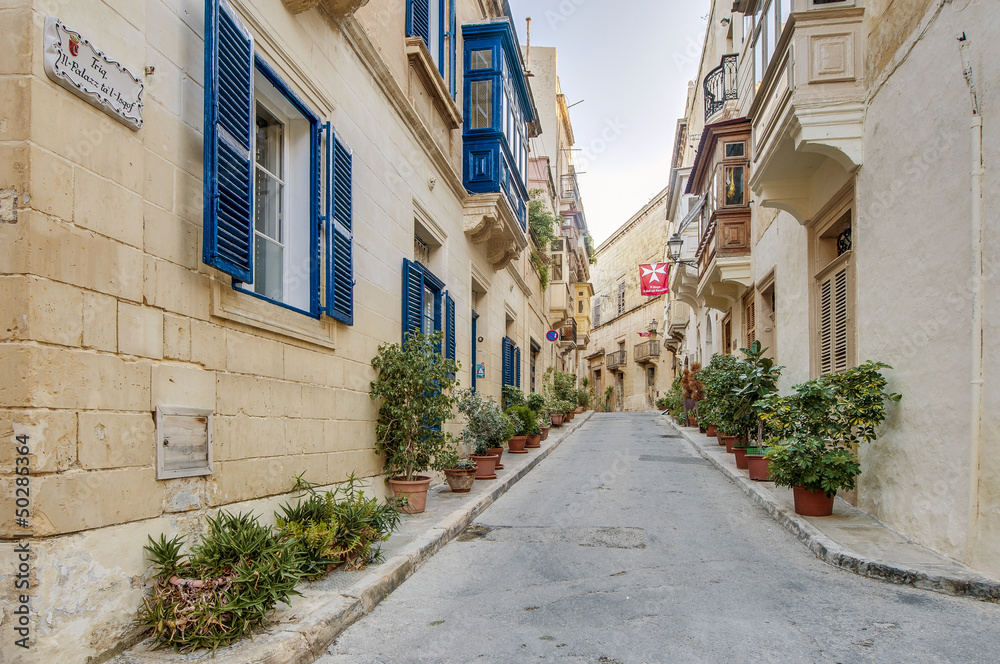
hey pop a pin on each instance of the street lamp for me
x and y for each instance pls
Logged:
(674, 246)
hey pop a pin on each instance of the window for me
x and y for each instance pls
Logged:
(621, 298)
(434, 21)
(734, 185)
(735, 150)
(831, 258)
(427, 306)
(727, 335)
(533, 361)
(273, 176)
(579, 305)
(497, 110)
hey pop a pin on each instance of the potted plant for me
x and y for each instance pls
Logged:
(486, 429)
(759, 377)
(536, 402)
(694, 392)
(523, 419)
(822, 424)
(609, 392)
(413, 385)
(459, 472)
(815, 471)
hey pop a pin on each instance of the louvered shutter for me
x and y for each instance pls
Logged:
(413, 294)
(507, 368)
(339, 235)
(229, 121)
(750, 316)
(418, 19)
(517, 367)
(834, 322)
(449, 326)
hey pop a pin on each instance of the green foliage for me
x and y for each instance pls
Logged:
(564, 385)
(486, 424)
(822, 423)
(541, 221)
(609, 392)
(512, 396)
(541, 265)
(525, 420)
(673, 401)
(760, 379)
(813, 464)
(413, 383)
(536, 402)
(452, 460)
(582, 397)
(233, 578)
(336, 527)
(844, 409)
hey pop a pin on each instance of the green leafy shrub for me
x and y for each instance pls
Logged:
(813, 464)
(486, 424)
(536, 402)
(231, 580)
(525, 420)
(512, 396)
(413, 384)
(337, 527)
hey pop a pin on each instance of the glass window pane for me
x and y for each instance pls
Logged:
(481, 59)
(784, 9)
(270, 135)
(481, 105)
(734, 185)
(735, 149)
(428, 311)
(268, 268)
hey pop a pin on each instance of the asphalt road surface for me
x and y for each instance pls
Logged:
(625, 547)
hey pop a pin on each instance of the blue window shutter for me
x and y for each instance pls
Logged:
(449, 316)
(507, 373)
(454, 49)
(517, 366)
(229, 121)
(340, 238)
(413, 296)
(418, 19)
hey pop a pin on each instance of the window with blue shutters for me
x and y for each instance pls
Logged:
(427, 306)
(511, 358)
(435, 22)
(277, 181)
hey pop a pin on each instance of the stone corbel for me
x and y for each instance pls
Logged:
(489, 220)
(337, 8)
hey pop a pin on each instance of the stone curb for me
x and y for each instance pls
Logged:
(838, 555)
(307, 639)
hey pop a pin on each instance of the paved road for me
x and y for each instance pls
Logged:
(623, 546)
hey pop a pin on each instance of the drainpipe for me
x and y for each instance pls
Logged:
(976, 411)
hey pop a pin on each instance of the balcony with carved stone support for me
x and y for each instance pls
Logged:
(616, 360)
(560, 302)
(335, 7)
(808, 113)
(648, 352)
(490, 220)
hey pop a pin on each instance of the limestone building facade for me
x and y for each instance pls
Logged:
(306, 181)
(627, 327)
(865, 231)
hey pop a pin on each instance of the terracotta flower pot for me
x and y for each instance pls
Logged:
(415, 491)
(460, 479)
(485, 466)
(812, 503)
(545, 432)
(534, 441)
(759, 467)
(579, 409)
(568, 417)
(516, 445)
(692, 421)
(557, 419)
(741, 457)
(713, 431)
(728, 441)
(498, 453)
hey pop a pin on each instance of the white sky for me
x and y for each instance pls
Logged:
(630, 61)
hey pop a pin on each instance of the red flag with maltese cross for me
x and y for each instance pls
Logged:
(653, 279)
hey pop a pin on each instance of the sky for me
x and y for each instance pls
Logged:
(630, 62)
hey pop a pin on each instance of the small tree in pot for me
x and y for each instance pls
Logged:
(413, 383)
(823, 423)
(486, 428)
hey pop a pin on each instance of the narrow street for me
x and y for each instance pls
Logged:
(624, 546)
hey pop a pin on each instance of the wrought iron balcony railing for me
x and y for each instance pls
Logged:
(616, 359)
(647, 351)
(720, 85)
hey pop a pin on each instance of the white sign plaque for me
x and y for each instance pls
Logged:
(74, 63)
